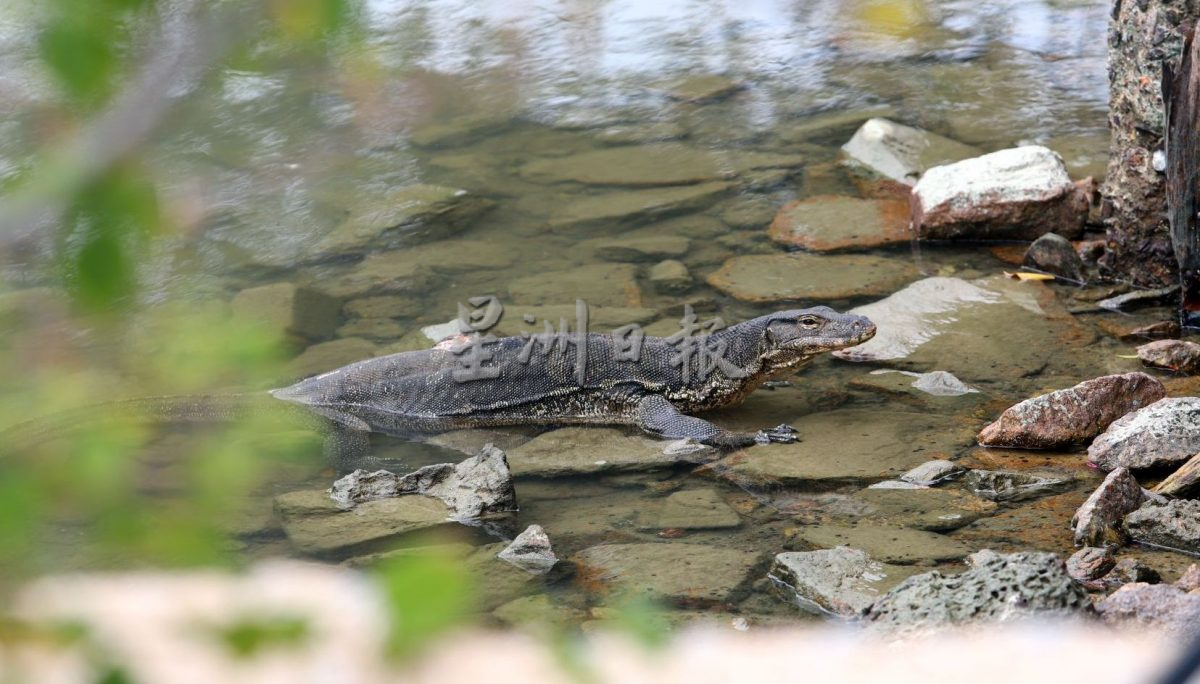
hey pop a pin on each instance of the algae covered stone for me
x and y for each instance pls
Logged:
(408, 214)
(810, 277)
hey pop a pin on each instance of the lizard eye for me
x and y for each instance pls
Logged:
(809, 321)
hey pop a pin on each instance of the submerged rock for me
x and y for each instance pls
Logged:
(315, 525)
(1098, 520)
(692, 509)
(841, 581)
(477, 486)
(288, 309)
(327, 356)
(1015, 194)
(408, 214)
(922, 508)
(1090, 564)
(898, 545)
(931, 473)
(596, 284)
(702, 88)
(530, 551)
(1164, 433)
(997, 588)
(620, 207)
(1054, 254)
(1172, 525)
(584, 450)
(654, 164)
(810, 277)
(1073, 415)
(1161, 607)
(681, 573)
(831, 224)
(670, 276)
(640, 248)
(1175, 355)
(1013, 485)
(900, 152)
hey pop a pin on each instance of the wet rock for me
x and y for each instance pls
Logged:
(530, 551)
(838, 448)
(941, 384)
(642, 133)
(409, 214)
(897, 484)
(670, 276)
(1164, 433)
(1139, 332)
(386, 306)
(596, 284)
(496, 581)
(748, 213)
(702, 88)
(1161, 607)
(1090, 564)
(1183, 481)
(538, 611)
(636, 205)
(900, 152)
(1137, 298)
(1054, 254)
(315, 525)
(830, 127)
(933, 510)
(585, 450)
(1015, 194)
(379, 274)
(898, 545)
(1176, 355)
(656, 164)
(1190, 579)
(1130, 570)
(642, 248)
(477, 486)
(287, 309)
(997, 588)
(927, 390)
(931, 473)
(1012, 485)
(1173, 525)
(832, 224)
(841, 581)
(457, 132)
(1073, 415)
(1098, 520)
(372, 328)
(678, 572)
(810, 277)
(326, 356)
(691, 509)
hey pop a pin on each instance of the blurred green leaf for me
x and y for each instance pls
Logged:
(641, 617)
(249, 637)
(306, 20)
(427, 592)
(81, 57)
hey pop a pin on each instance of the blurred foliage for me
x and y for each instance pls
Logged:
(427, 593)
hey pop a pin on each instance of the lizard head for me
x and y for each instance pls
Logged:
(807, 332)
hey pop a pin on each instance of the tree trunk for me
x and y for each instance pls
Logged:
(1181, 97)
(1143, 35)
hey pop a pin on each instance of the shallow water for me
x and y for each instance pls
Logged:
(553, 112)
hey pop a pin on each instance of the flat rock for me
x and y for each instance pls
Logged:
(622, 207)
(840, 581)
(1015, 194)
(457, 131)
(1172, 525)
(372, 328)
(1054, 254)
(1163, 608)
(691, 509)
(900, 152)
(586, 450)
(745, 213)
(846, 446)
(1090, 564)
(326, 356)
(702, 88)
(670, 276)
(315, 525)
(810, 277)
(830, 127)
(1174, 355)
(642, 133)
(933, 510)
(1166, 432)
(379, 274)
(409, 214)
(1098, 520)
(1016, 485)
(651, 165)
(530, 551)
(288, 309)
(997, 588)
(1073, 415)
(832, 224)
(888, 544)
(687, 574)
(596, 284)
(641, 248)
(931, 473)
(385, 306)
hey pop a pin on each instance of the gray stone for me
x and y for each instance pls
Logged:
(1015, 194)
(1073, 415)
(889, 544)
(670, 276)
(315, 525)
(620, 208)
(691, 509)
(586, 450)
(841, 581)
(1016, 485)
(1163, 608)
(531, 551)
(838, 224)
(641, 248)
(379, 274)
(1164, 433)
(634, 165)
(1179, 356)
(411, 213)
(997, 588)
(922, 508)
(902, 153)
(1054, 254)
(748, 213)
(288, 309)
(386, 306)
(476, 486)
(327, 356)
(765, 278)
(1098, 520)
(1090, 564)
(1173, 525)
(831, 126)
(687, 574)
(596, 284)
(1130, 570)
(458, 131)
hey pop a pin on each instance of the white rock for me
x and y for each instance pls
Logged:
(902, 153)
(1164, 433)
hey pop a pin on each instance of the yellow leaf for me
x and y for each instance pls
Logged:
(1022, 275)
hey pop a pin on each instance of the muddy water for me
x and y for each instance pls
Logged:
(605, 138)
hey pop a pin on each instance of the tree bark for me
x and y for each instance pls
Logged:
(1143, 36)
(1181, 98)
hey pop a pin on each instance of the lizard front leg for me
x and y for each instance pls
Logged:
(660, 417)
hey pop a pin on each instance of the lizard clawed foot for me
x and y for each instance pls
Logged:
(780, 434)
